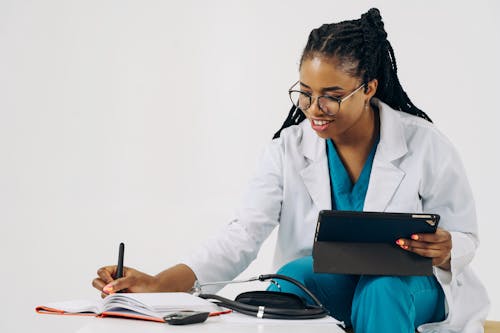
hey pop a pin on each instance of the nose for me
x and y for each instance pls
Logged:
(314, 110)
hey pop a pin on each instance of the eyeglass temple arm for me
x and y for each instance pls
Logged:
(352, 93)
(293, 85)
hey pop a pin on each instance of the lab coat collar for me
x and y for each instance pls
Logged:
(315, 174)
(385, 176)
(392, 145)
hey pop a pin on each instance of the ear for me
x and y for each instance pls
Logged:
(371, 89)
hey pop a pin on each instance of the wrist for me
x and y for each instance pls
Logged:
(155, 284)
(446, 264)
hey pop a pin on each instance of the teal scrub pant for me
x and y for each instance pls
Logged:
(369, 303)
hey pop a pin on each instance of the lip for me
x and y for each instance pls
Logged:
(321, 128)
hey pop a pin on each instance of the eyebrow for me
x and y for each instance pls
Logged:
(334, 88)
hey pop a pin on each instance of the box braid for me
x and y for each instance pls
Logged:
(362, 48)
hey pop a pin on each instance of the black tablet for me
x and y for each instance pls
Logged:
(372, 227)
(365, 242)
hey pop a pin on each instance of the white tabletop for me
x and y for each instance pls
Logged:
(78, 324)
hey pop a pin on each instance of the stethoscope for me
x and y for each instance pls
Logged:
(265, 310)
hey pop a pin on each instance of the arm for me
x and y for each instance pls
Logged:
(176, 278)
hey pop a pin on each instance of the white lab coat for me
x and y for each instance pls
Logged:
(415, 169)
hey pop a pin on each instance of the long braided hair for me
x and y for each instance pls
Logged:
(363, 47)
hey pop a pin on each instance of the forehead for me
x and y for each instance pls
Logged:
(319, 72)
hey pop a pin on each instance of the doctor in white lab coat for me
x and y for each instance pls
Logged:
(415, 169)
(348, 79)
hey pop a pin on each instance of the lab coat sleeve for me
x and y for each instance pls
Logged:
(228, 253)
(446, 191)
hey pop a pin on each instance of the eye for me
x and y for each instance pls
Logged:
(335, 97)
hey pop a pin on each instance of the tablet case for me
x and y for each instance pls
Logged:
(349, 242)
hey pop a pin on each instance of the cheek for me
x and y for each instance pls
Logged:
(357, 105)
(351, 112)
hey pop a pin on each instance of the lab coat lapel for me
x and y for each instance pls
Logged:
(384, 181)
(385, 175)
(315, 173)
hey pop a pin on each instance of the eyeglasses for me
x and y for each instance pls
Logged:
(329, 105)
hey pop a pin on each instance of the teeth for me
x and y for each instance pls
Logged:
(320, 122)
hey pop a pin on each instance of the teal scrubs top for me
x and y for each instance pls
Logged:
(345, 194)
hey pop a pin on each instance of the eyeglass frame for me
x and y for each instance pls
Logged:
(311, 100)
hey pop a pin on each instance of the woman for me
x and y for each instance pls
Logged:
(352, 141)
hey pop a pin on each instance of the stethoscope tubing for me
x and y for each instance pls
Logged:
(311, 312)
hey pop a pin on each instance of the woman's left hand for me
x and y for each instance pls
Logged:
(436, 246)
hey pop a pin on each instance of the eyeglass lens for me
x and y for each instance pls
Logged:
(303, 102)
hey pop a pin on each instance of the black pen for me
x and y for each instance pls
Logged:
(119, 267)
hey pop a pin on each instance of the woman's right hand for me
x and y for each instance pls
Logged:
(177, 278)
(133, 281)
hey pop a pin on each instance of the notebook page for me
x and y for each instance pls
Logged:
(159, 302)
(76, 306)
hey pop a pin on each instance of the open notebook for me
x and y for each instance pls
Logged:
(146, 306)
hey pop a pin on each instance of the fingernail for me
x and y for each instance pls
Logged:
(405, 247)
(400, 242)
(108, 289)
(414, 237)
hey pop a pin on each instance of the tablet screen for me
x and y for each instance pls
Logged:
(372, 227)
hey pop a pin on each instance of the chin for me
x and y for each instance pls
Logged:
(323, 135)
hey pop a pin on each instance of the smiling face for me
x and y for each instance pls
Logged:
(320, 76)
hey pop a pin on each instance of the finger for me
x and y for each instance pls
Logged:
(429, 253)
(440, 236)
(98, 284)
(106, 273)
(421, 245)
(439, 256)
(119, 284)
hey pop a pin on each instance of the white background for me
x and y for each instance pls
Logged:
(141, 122)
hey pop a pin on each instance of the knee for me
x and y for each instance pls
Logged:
(297, 264)
(298, 269)
(293, 267)
(374, 293)
(381, 301)
(372, 288)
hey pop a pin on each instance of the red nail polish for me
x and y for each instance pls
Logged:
(400, 242)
